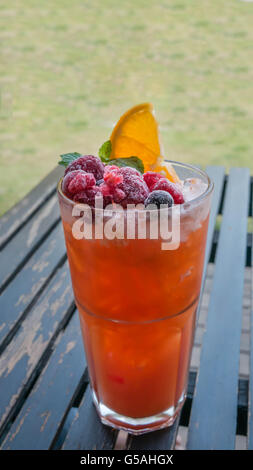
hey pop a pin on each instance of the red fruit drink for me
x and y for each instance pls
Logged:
(137, 305)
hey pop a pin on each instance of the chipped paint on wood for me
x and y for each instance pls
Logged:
(26, 298)
(2, 326)
(20, 424)
(40, 266)
(30, 341)
(43, 261)
(50, 398)
(28, 282)
(47, 415)
(69, 347)
(38, 220)
(33, 336)
(18, 215)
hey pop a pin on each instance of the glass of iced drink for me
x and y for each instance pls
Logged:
(137, 302)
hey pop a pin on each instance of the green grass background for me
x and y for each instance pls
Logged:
(69, 69)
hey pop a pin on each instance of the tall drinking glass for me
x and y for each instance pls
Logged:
(137, 304)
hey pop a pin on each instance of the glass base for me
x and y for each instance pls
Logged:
(138, 426)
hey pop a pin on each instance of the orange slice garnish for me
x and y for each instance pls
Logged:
(137, 134)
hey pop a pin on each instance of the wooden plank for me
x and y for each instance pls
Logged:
(250, 412)
(24, 354)
(20, 294)
(213, 416)
(164, 439)
(18, 250)
(241, 409)
(45, 408)
(217, 175)
(156, 440)
(86, 431)
(15, 218)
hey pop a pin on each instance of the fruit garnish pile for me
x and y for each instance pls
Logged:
(129, 168)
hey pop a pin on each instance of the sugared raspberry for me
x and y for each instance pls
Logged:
(88, 163)
(124, 185)
(118, 195)
(129, 170)
(134, 187)
(112, 176)
(151, 178)
(88, 197)
(172, 188)
(113, 192)
(109, 168)
(106, 189)
(77, 181)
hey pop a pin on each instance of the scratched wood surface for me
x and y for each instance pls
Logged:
(19, 295)
(21, 357)
(19, 214)
(45, 398)
(53, 395)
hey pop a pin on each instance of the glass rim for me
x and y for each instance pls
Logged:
(209, 189)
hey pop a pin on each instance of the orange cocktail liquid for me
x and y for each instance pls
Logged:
(137, 306)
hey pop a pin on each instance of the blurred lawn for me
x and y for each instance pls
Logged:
(70, 68)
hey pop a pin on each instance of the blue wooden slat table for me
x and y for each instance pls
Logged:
(218, 373)
(45, 399)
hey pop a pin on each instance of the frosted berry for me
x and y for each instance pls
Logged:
(118, 195)
(77, 181)
(133, 185)
(129, 170)
(89, 197)
(124, 185)
(165, 185)
(158, 198)
(88, 163)
(151, 178)
(113, 176)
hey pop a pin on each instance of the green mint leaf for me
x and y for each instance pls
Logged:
(105, 151)
(134, 162)
(68, 158)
